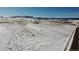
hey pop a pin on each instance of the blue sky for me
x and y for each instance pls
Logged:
(40, 11)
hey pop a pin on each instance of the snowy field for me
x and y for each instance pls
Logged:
(34, 37)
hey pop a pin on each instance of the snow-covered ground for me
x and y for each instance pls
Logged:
(34, 37)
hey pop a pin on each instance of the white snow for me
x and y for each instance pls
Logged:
(34, 37)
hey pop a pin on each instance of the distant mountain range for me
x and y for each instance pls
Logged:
(21, 17)
(38, 17)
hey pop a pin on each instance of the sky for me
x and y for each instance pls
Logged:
(40, 11)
